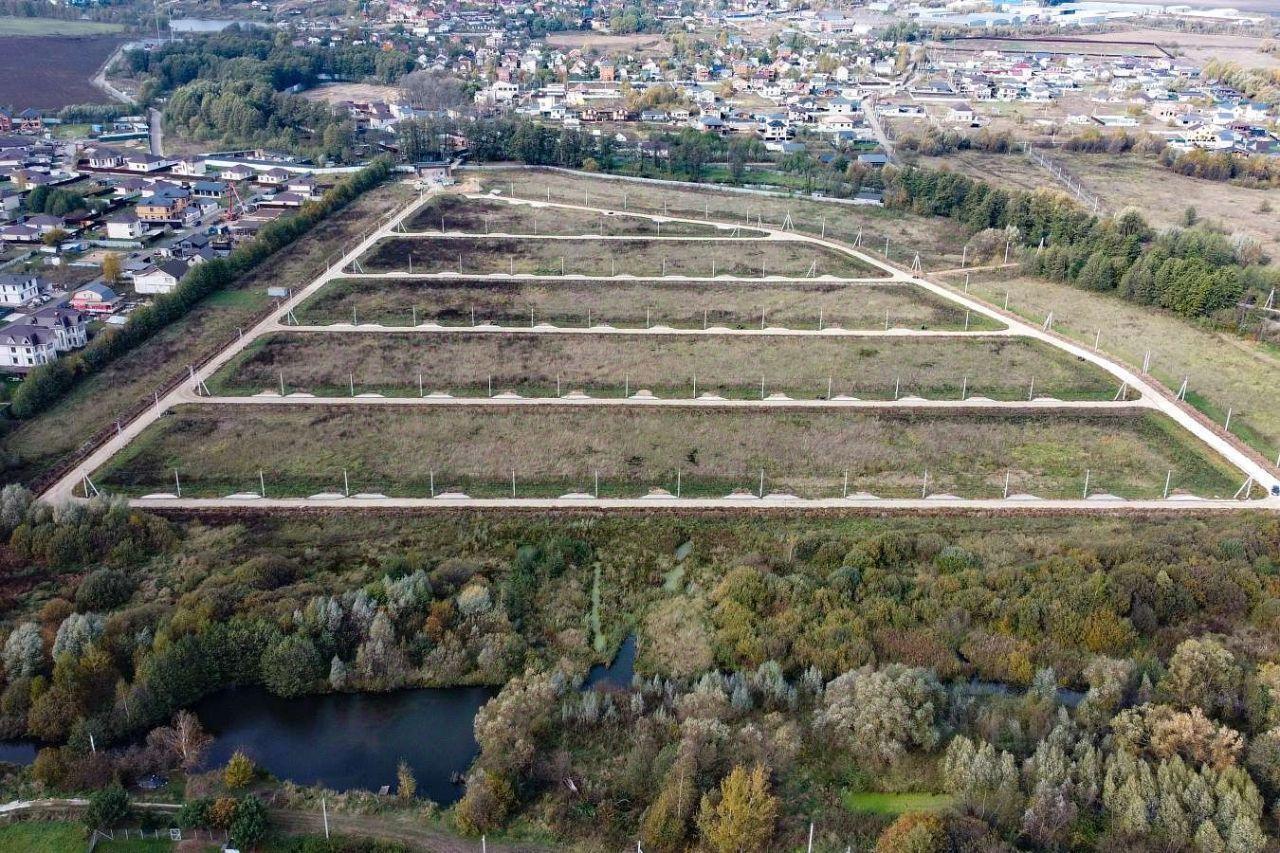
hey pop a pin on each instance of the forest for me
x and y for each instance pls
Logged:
(1037, 683)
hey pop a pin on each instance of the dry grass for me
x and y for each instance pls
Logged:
(1223, 370)
(939, 241)
(483, 216)
(303, 450)
(638, 257)
(336, 93)
(328, 364)
(684, 305)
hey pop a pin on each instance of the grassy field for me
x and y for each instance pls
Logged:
(42, 837)
(32, 446)
(330, 364)
(54, 27)
(939, 241)
(875, 802)
(1223, 371)
(681, 305)
(456, 213)
(639, 257)
(305, 449)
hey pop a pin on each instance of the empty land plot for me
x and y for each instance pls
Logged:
(304, 450)
(1223, 371)
(638, 257)
(681, 305)
(328, 364)
(940, 241)
(483, 216)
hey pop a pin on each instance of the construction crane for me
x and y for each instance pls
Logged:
(238, 207)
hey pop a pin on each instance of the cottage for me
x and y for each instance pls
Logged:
(95, 298)
(238, 172)
(160, 278)
(273, 177)
(161, 208)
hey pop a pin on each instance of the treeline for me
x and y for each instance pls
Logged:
(49, 383)
(261, 55)
(1192, 272)
(935, 142)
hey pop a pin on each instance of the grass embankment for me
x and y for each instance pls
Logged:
(1223, 371)
(30, 836)
(304, 449)
(681, 305)
(461, 363)
(639, 257)
(939, 241)
(481, 216)
(34, 445)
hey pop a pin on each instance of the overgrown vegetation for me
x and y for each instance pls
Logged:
(791, 670)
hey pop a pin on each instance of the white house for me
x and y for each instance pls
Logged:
(18, 289)
(126, 226)
(67, 324)
(160, 278)
(24, 346)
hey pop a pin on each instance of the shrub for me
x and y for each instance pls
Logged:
(104, 589)
(106, 807)
(239, 771)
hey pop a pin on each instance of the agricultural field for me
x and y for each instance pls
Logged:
(301, 450)
(54, 27)
(939, 241)
(633, 304)
(534, 364)
(52, 71)
(480, 216)
(478, 255)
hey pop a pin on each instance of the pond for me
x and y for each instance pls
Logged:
(350, 740)
(18, 751)
(618, 673)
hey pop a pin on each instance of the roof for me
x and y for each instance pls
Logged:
(25, 335)
(97, 287)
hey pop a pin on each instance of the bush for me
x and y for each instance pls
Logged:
(106, 807)
(104, 589)
(292, 666)
(239, 771)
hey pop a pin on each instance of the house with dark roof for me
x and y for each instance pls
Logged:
(162, 277)
(24, 346)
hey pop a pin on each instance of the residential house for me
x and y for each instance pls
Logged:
(68, 326)
(163, 208)
(125, 226)
(95, 298)
(18, 289)
(160, 278)
(238, 172)
(24, 346)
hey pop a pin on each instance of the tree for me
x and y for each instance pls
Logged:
(485, 805)
(250, 822)
(292, 666)
(1202, 672)
(239, 771)
(881, 714)
(104, 589)
(742, 818)
(53, 237)
(23, 651)
(406, 785)
(111, 268)
(185, 739)
(913, 832)
(106, 808)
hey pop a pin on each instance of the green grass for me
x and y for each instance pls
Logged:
(54, 27)
(874, 802)
(304, 449)
(135, 845)
(42, 837)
